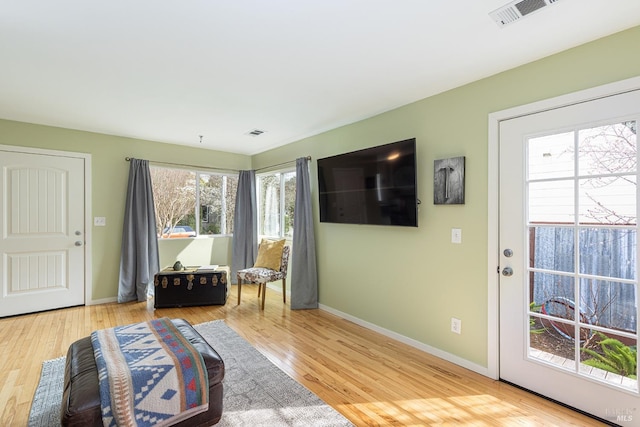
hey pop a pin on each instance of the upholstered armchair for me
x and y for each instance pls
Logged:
(262, 276)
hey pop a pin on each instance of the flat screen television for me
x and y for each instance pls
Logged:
(376, 185)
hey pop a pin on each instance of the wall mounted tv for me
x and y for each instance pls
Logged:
(372, 186)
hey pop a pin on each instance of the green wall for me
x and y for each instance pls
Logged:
(407, 280)
(203, 251)
(110, 172)
(412, 281)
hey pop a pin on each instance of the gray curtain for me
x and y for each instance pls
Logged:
(245, 224)
(304, 272)
(139, 261)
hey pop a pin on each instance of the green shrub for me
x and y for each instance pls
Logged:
(536, 309)
(617, 357)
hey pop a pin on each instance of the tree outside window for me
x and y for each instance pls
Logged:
(193, 203)
(289, 203)
(217, 203)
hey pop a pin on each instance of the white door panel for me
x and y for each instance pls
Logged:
(567, 203)
(42, 232)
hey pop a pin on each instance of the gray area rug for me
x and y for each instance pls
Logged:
(256, 392)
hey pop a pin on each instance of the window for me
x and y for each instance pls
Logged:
(190, 203)
(276, 204)
(217, 203)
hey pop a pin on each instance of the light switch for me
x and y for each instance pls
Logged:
(456, 235)
(99, 221)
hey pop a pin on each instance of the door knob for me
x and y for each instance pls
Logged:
(507, 271)
(79, 243)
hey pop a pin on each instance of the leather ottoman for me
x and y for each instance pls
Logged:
(81, 397)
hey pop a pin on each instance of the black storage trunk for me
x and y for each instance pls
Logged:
(190, 287)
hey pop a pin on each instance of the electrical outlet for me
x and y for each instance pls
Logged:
(99, 221)
(456, 325)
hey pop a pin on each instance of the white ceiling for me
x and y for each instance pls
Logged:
(170, 71)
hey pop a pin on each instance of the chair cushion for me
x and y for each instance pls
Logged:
(269, 254)
(260, 275)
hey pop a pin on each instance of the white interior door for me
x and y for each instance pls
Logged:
(42, 239)
(568, 242)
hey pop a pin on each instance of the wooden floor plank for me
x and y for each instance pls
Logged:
(371, 379)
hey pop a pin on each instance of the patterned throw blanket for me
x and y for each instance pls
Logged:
(150, 375)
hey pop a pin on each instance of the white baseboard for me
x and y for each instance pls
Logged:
(277, 287)
(102, 301)
(410, 341)
(386, 332)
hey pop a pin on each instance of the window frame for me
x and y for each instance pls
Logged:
(197, 205)
(224, 203)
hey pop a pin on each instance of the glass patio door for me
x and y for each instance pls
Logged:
(568, 242)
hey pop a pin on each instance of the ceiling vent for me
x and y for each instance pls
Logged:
(517, 10)
(255, 132)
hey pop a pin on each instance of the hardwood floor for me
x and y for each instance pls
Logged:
(371, 379)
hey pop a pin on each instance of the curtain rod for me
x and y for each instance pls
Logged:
(211, 168)
(188, 166)
(280, 164)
